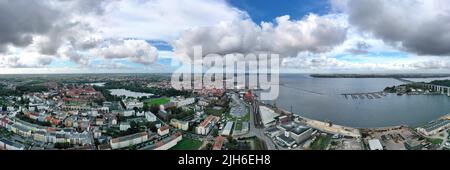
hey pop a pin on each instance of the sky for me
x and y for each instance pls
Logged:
(153, 36)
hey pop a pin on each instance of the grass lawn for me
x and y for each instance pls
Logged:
(435, 141)
(215, 112)
(238, 125)
(157, 102)
(237, 120)
(5, 133)
(187, 144)
(246, 117)
(321, 143)
(230, 117)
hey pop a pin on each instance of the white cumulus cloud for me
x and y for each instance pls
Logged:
(286, 37)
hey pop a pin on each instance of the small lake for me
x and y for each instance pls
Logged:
(96, 84)
(128, 93)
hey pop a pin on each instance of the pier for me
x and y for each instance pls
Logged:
(370, 96)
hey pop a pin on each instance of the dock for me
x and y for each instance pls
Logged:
(370, 96)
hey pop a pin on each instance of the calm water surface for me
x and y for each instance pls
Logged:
(321, 99)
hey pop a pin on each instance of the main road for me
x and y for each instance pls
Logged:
(259, 132)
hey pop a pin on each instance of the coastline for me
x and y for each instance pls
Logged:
(340, 129)
(379, 75)
(323, 126)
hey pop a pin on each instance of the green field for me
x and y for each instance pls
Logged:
(187, 144)
(5, 133)
(157, 102)
(321, 142)
(215, 112)
(238, 125)
(435, 141)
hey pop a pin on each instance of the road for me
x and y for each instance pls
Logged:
(445, 139)
(259, 132)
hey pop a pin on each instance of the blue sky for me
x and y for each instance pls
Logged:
(268, 10)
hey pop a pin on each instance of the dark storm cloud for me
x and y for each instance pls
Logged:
(419, 26)
(21, 19)
(361, 47)
(87, 6)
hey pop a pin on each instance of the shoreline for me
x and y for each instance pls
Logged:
(379, 75)
(341, 129)
(323, 126)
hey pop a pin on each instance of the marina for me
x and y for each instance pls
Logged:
(373, 95)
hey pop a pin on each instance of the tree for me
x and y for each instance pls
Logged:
(152, 126)
(154, 109)
(146, 107)
(133, 125)
(215, 132)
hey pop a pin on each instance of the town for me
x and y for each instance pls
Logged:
(143, 112)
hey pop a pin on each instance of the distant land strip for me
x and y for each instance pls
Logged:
(379, 75)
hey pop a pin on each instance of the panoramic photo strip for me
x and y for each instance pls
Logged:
(252, 80)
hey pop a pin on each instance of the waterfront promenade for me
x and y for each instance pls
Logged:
(323, 126)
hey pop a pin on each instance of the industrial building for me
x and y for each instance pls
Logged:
(434, 127)
(295, 131)
(268, 116)
(284, 140)
(227, 129)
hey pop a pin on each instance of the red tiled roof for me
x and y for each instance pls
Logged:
(218, 143)
(129, 137)
(165, 127)
(206, 121)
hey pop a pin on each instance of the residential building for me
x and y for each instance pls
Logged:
(130, 140)
(164, 130)
(10, 145)
(181, 101)
(128, 113)
(131, 104)
(164, 115)
(149, 116)
(207, 125)
(183, 125)
(124, 126)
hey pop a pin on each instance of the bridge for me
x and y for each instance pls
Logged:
(404, 80)
(436, 88)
